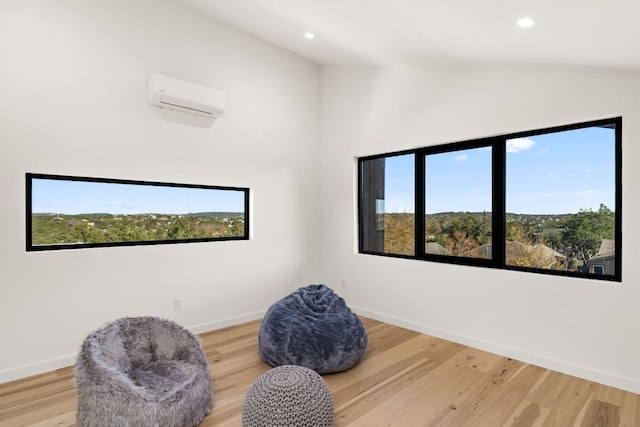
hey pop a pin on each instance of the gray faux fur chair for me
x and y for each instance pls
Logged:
(142, 371)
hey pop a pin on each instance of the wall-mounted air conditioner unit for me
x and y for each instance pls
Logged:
(174, 94)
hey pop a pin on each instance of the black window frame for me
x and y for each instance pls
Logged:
(31, 247)
(498, 145)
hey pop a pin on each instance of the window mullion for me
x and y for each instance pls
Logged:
(498, 215)
(420, 204)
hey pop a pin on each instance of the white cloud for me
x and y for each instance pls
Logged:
(480, 191)
(519, 144)
(461, 158)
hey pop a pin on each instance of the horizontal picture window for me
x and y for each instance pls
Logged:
(68, 212)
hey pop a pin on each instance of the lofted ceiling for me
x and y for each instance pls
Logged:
(596, 34)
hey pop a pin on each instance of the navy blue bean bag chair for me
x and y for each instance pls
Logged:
(312, 327)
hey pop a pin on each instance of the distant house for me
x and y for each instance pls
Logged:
(436, 248)
(604, 261)
(544, 256)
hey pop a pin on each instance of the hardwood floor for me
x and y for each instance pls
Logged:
(404, 379)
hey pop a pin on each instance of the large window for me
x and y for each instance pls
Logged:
(67, 212)
(545, 201)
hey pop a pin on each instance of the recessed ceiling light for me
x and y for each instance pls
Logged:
(526, 22)
(309, 36)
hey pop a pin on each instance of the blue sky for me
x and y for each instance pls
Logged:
(555, 173)
(75, 197)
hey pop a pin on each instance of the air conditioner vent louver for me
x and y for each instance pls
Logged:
(173, 103)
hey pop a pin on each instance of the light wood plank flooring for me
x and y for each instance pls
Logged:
(404, 379)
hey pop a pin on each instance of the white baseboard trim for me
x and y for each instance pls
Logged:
(590, 374)
(36, 368)
(21, 372)
(230, 321)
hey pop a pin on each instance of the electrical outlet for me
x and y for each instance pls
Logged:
(177, 304)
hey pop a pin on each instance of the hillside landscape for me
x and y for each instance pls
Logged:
(555, 241)
(59, 229)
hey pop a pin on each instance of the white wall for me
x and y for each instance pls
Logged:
(73, 84)
(586, 328)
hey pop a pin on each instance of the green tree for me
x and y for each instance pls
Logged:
(399, 229)
(585, 230)
(516, 231)
(464, 233)
(181, 229)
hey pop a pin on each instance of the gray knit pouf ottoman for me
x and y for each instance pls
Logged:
(288, 395)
